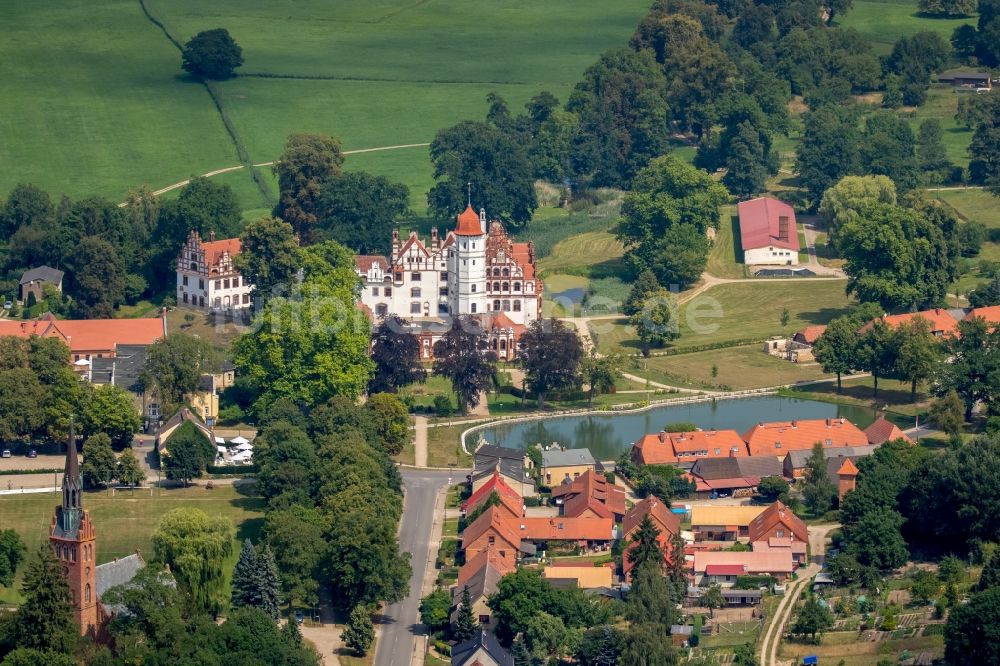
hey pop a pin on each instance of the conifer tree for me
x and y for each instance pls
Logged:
(647, 546)
(465, 627)
(643, 286)
(246, 588)
(45, 619)
(269, 582)
(290, 632)
(990, 577)
(519, 651)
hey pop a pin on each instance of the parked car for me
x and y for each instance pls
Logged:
(7, 305)
(5, 454)
(299, 617)
(32, 453)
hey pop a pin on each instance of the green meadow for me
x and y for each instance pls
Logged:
(97, 103)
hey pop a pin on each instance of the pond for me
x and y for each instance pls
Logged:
(609, 435)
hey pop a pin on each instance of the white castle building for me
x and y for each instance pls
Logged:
(474, 270)
(206, 278)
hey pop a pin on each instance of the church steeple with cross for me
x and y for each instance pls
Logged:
(74, 541)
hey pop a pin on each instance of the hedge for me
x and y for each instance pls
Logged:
(11, 472)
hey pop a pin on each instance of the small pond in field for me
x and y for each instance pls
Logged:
(609, 435)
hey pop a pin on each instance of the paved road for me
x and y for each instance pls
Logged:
(400, 623)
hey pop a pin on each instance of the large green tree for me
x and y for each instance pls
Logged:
(973, 368)
(396, 354)
(196, 546)
(492, 163)
(551, 354)
(12, 550)
(818, 490)
(110, 409)
(212, 54)
(836, 348)
(98, 284)
(461, 356)
(188, 453)
(359, 209)
(972, 634)
(128, 470)
(45, 620)
(21, 404)
(843, 202)
(175, 364)
(814, 618)
(918, 353)
(306, 162)
(390, 422)
(656, 324)
(269, 256)
(359, 634)
(99, 462)
(829, 150)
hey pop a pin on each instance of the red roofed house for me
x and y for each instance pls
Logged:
(509, 502)
(941, 322)
(847, 478)
(491, 530)
(206, 278)
(590, 495)
(768, 232)
(90, 338)
(777, 527)
(667, 522)
(780, 437)
(991, 314)
(883, 430)
(474, 270)
(721, 567)
(481, 575)
(672, 448)
(591, 533)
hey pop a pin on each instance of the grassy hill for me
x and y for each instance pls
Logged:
(100, 103)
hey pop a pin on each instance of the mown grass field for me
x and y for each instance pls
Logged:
(126, 521)
(748, 310)
(726, 258)
(97, 102)
(738, 368)
(885, 21)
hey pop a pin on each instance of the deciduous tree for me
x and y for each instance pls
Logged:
(390, 422)
(212, 54)
(396, 355)
(128, 471)
(99, 462)
(12, 550)
(175, 364)
(306, 162)
(813, 619)
(600, 374)
(712, 598)
(269, 256)
(188, 453)
(829, 150)
(434, 609)
(972, 634)
(819, 491)
(462, 357)
(836, 349)
(550, 354)
(98, 278)
(109, 409)
(644, 285)
(196, 546)
(656, 323)
(359, 209)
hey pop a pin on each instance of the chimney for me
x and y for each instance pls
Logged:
(829, 422)
(211, 235)
(434, 236)
(783, 227)
(795, 424)
(663, 435)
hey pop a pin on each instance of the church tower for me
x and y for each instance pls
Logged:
(73, 539)
(467, 265)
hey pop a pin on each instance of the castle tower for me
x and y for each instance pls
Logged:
(75, 544)
(467, 265)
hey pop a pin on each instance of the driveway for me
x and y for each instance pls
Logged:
(400, 622)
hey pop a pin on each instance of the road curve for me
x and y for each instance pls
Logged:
(400, 623)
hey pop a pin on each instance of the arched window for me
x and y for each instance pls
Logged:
(506, 272)
(86, 594)
(194, 266)
(473, 305)
(517, 286)
(503, 344)
(496, 286)
(517, 306)
(473, 289)
(506, 306)
(506, 286)
(496, 272)
(496, 306)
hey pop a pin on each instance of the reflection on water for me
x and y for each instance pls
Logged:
(607, 436)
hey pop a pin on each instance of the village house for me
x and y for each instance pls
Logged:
(794, 464)
(590, 495)
(508, 501)
(492, 531)
(966, 78)
(666, 522)
(475, 270)
(483, 649)
(206, 277)
(481, 575)
(843, 472)
(722, 567)
(798, 348)
(559, 464)
(777, 528)
(89, 339)
(768, 233)
(586, 533)
(723, 523)
(991, 314)
(35, 281)
(883, 430)
(580, 576)
(488, 458)
(738, 476)
(779, 437)
(678, 448)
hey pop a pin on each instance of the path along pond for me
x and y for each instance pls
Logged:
(609, 435)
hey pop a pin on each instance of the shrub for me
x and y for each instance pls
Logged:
(442, 405)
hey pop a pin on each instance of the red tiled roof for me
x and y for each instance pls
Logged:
(215, 249)
(591, 491)
(848, 468)
(486, 556)
(773, 516)
(364, 262)
(780, 437)
(522, 255)
(883, 430)
(490, 519)
(665, 520)
(668, 448)
(469, 223)
(89, 335)
(565, 529)
(508, 496)
(760, 224)
(773, 561)
(725, 570)
(810, 334)
(991, 314)
(941, 322)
